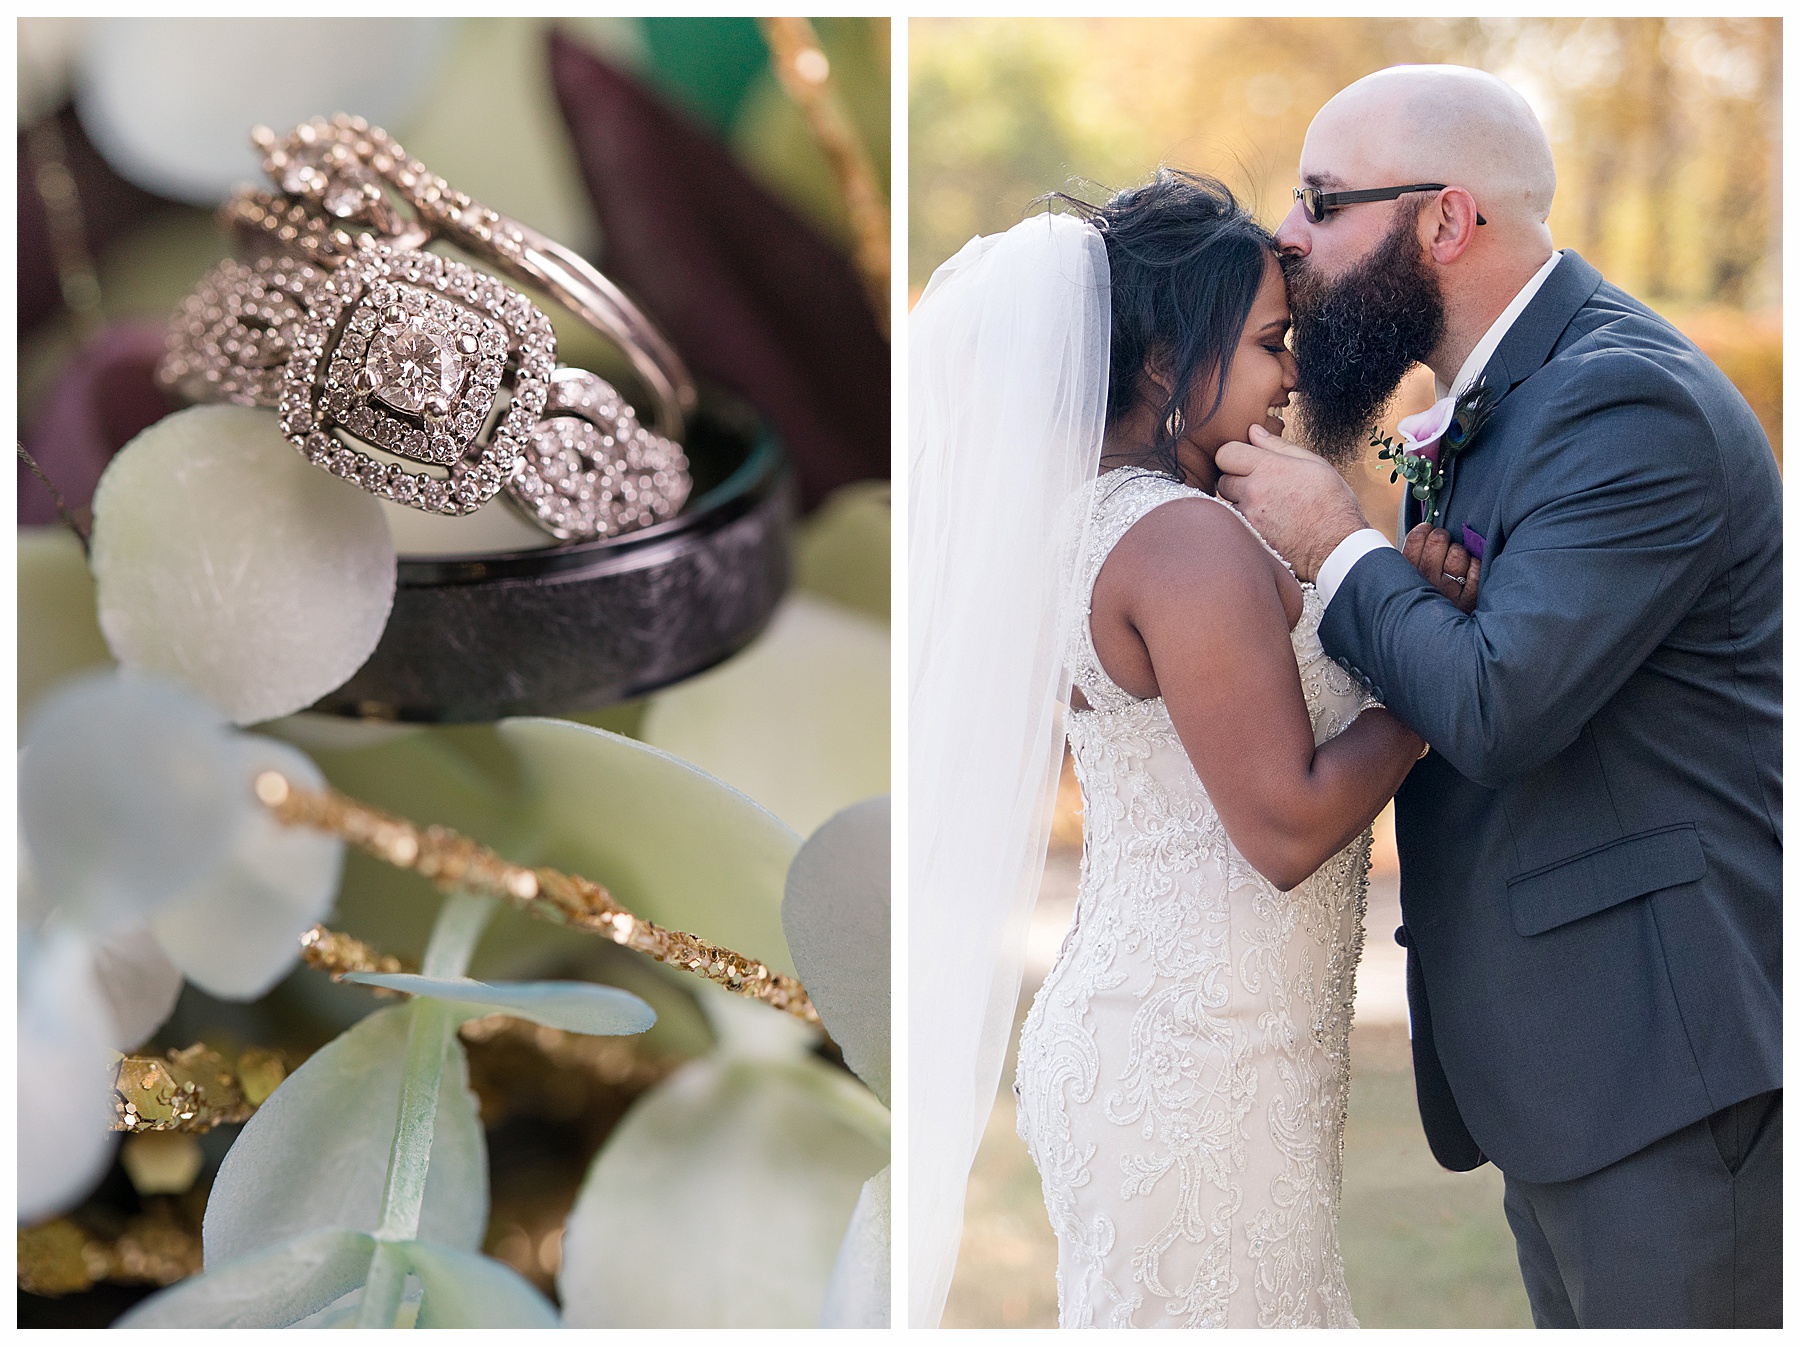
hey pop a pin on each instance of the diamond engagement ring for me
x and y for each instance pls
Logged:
(380, 356)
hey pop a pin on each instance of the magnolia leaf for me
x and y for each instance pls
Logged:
(130, 793)
(102, 395)
(838, 919)
(317, 731)
(112, 209)
(59, 633)
(673, 844)
(315, 1154)
(441, 775)
(139, 983)
(720, 1200)
(800, 721)
(227, 561)
(750, 1030)
(238, 932)
(65, 1077)
(275, 1288)
(465, 1289)
(860, 1293)
(574, 1006)
(457, 776)
(168, 101)
(843, 551)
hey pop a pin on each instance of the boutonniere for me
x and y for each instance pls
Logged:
(1431, 439)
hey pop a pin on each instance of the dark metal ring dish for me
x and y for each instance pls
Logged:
(586, 625)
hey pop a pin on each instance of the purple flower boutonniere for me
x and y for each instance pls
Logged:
(1431, 439)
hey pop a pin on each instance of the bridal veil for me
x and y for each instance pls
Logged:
(1009, 359)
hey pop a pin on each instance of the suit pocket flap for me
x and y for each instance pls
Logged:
(1570, 889)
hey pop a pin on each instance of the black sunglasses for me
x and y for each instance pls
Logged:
(1318, 204)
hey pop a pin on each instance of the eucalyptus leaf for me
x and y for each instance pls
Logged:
(799, 721)
(720, 1200)
(139, 983)
(129, 795)
(274, 1288)
(59, 631)
(837, 915)
(574, 1006)
(860, 1293)
(465, 1289)
(167, 100)
(65, 1084)
(315, 1155)
(223, 559)
(674, 845)
(238, 932)
(518, 947)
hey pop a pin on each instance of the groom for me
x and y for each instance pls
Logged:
(1591, 851)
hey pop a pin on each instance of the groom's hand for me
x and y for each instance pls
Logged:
(1295, 499)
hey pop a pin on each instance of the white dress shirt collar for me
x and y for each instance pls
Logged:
(1365, 540)
(1491, 339)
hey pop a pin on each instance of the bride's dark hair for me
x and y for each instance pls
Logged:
(1186, 262)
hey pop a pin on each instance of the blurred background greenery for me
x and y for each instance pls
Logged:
(1666, 131)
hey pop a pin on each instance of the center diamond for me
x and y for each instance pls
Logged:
(413, 363)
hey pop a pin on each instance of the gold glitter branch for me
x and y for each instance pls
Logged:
(337, 953)
(453, 862)
(193, 1089)
(805, 74)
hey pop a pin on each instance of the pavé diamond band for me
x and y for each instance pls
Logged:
(364, 336)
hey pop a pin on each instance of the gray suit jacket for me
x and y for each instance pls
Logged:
(1590, 856)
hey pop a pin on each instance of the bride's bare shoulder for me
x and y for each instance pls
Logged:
(1190, 554)
(1194, 537)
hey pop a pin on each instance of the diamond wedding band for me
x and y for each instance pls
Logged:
(365, 342)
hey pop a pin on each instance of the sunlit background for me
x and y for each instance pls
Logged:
(1667, 137)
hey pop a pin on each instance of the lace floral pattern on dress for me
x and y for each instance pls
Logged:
(1184, 1070)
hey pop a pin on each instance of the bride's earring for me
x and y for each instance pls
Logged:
(1175, 423)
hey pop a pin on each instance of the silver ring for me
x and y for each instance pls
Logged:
(1459, 579)
(371, 341)
(333, 171)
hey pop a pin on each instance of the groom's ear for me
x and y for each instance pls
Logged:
(1449, 225)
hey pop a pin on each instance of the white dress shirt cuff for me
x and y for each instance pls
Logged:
(1346, 554)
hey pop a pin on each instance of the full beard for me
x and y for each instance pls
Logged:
(1356, 337)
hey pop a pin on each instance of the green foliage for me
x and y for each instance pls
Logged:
(1666, 130)
(707, 66)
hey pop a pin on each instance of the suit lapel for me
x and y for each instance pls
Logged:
(1529, 341)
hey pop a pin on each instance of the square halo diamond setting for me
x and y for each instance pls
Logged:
(418, 347)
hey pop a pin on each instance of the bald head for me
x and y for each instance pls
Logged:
(1439, 123)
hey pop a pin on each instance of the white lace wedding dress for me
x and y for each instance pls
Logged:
(1184, 1071)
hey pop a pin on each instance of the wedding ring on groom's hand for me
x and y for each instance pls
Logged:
(422, 357)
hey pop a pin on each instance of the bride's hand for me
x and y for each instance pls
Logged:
(1446, 564)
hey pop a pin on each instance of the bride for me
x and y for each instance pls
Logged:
(1183, 1073)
